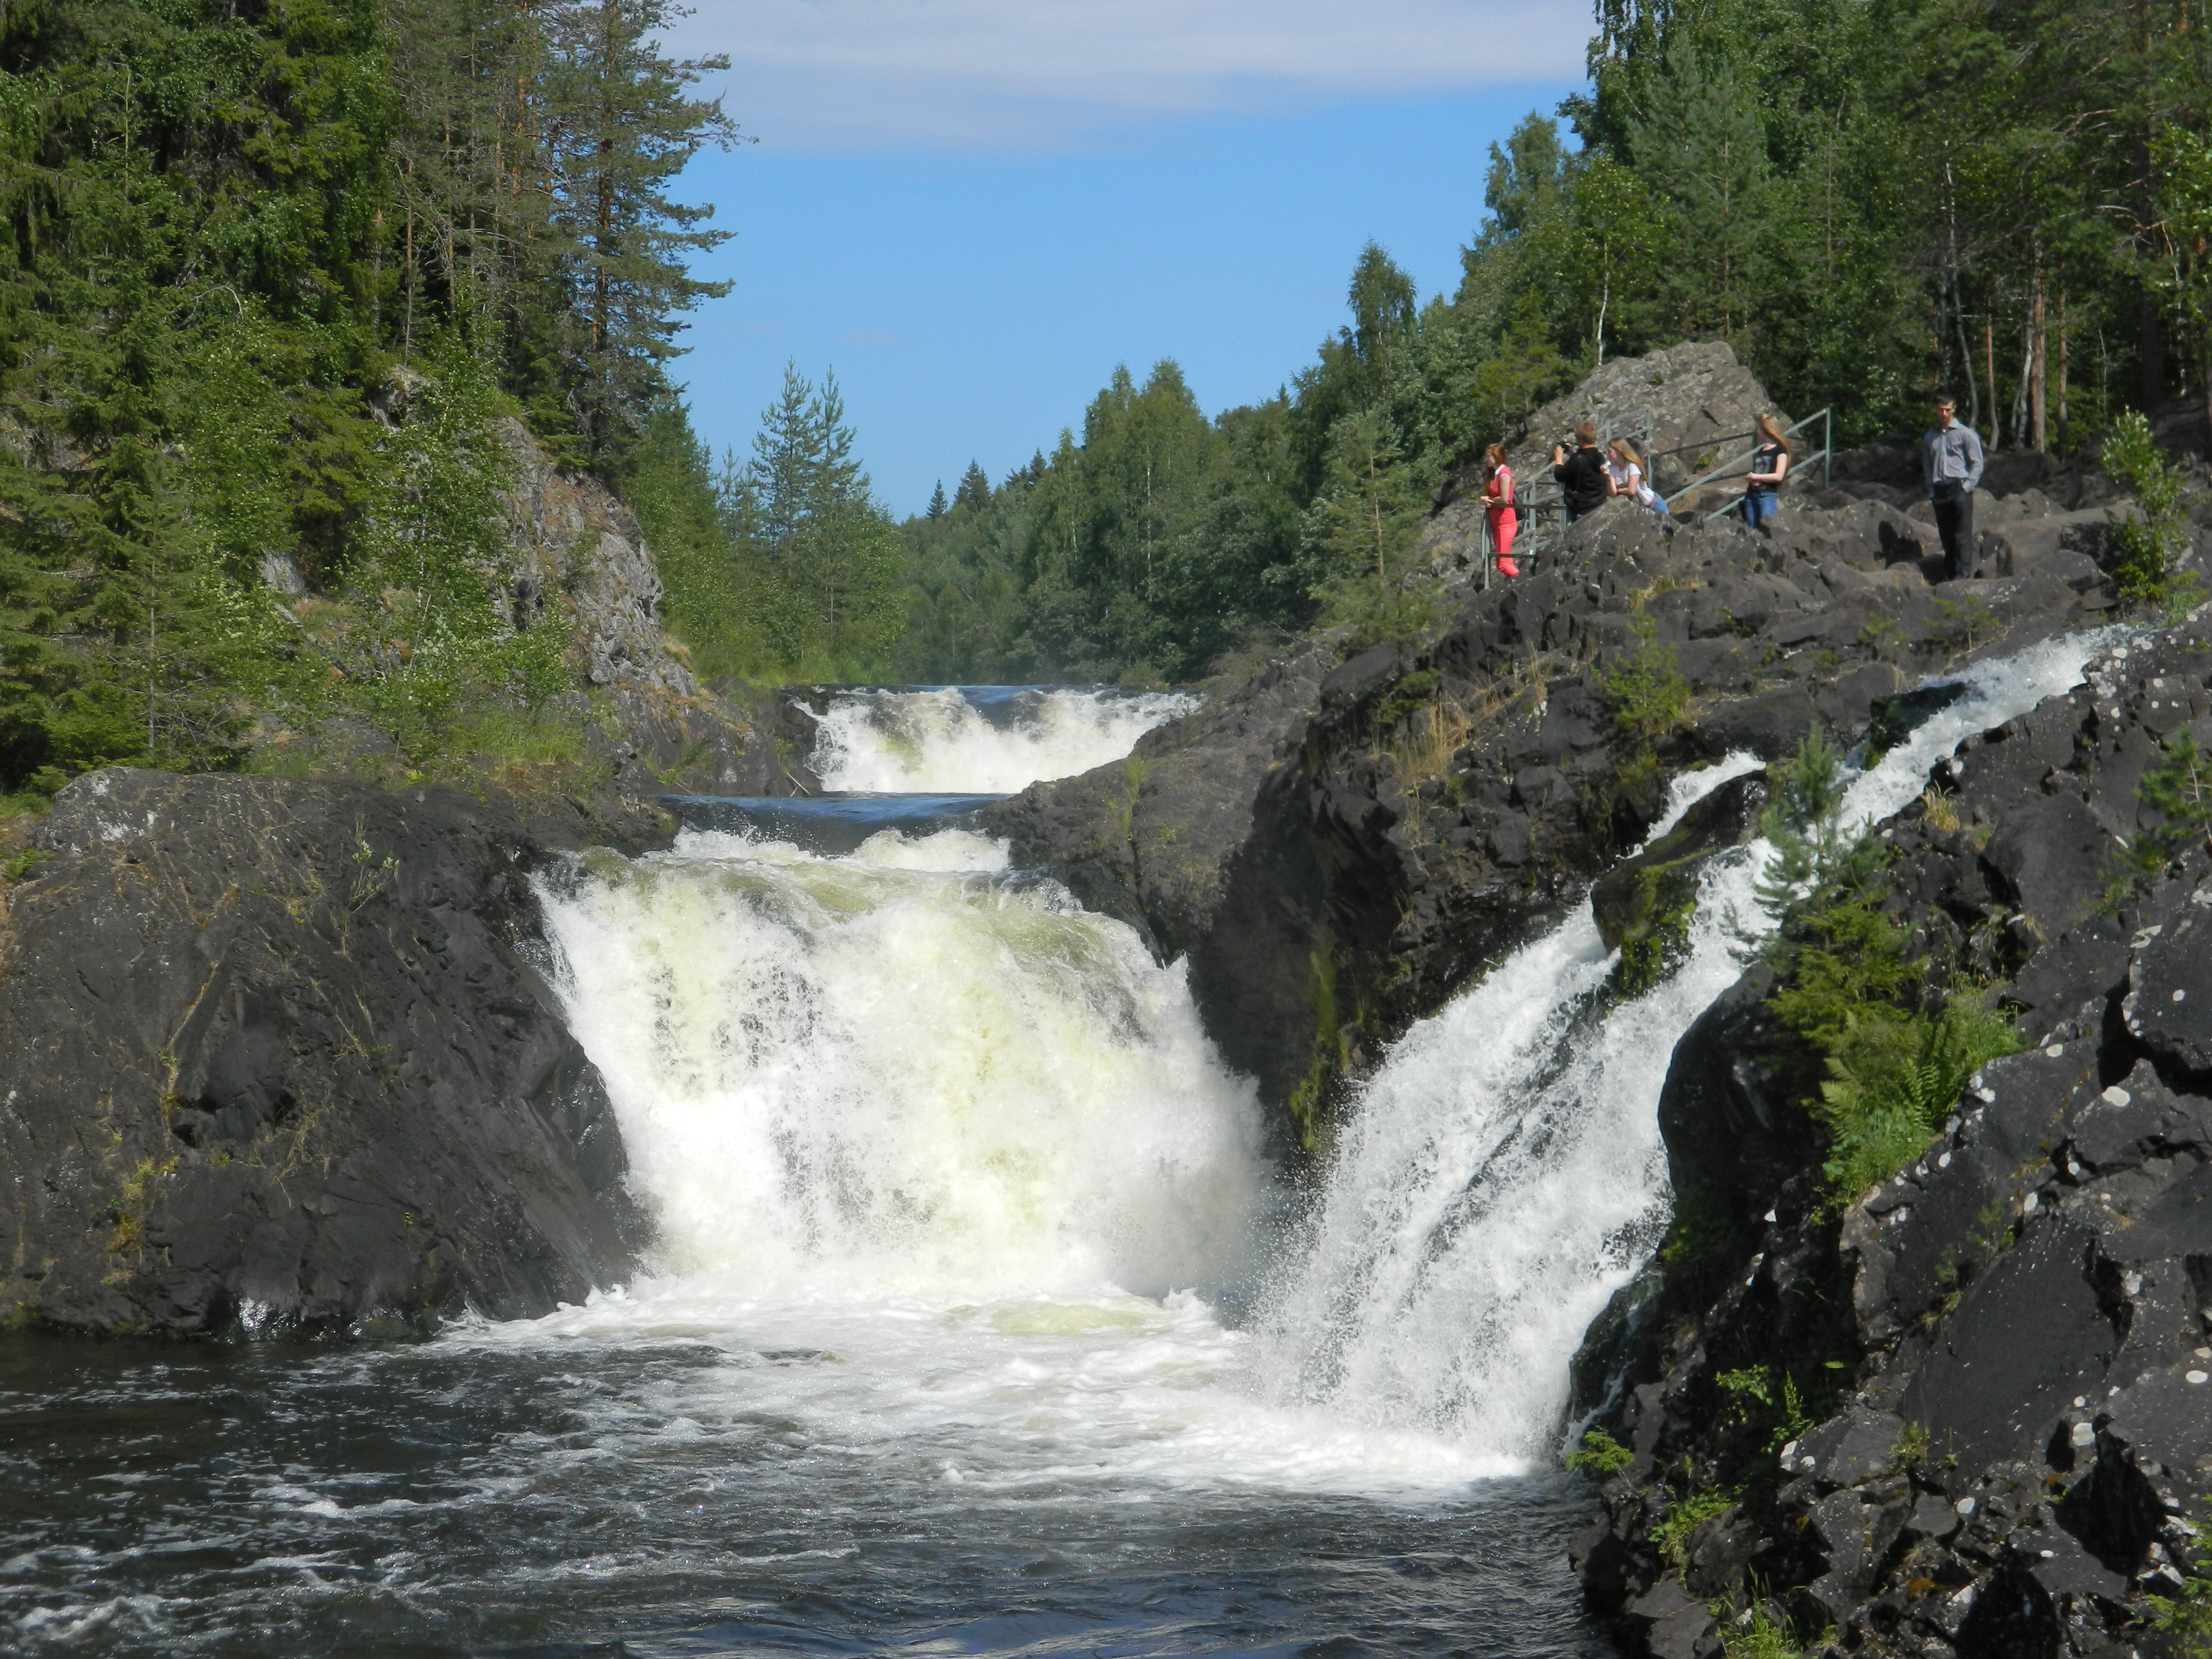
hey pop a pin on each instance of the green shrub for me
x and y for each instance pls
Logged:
(1645, 691)
(1684, 1517)
(1600, 1454)
(1757, 1636)
(1847, 987)
(2149, 547)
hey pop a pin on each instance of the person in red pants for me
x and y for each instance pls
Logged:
(1497, 498)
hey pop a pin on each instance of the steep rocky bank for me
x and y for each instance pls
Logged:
(1997, 1421)
(274, 1053)
(1339, 845)
(273, 1057)
(1965, 1414)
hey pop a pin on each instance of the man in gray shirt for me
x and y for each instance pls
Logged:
(1951, 463)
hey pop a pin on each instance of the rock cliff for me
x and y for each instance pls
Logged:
(1998, 1421)
(1338, 845)
(274, 1055)
(1968, 1415)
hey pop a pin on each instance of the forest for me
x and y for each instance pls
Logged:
(274, 270)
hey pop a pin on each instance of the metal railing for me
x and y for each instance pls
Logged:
(1542, 503)
(1825, 455)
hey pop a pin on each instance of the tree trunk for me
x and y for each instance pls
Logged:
(2065, 441)
(1990, 356)
(2038, 388)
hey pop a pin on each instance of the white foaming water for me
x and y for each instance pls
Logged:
(957, 1159)
(899, 1072)
(903, 1109)
(937, 741)
(1502, 1175)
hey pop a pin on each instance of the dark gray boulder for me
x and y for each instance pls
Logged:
(273, 1056)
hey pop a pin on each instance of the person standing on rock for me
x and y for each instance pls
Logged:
(1584, 485)
(1951, 462)
(1505, 518)
(1769, 462)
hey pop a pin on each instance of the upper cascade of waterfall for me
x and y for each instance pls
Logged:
(1501, 1174)
(980, 739)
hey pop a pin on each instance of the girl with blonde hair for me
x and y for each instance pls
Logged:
(1628, 474)
(1768, 465)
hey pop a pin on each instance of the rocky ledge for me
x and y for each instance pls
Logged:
(275, 1056)
(1971, 1412)
(1338, 845)
(1967, 1413)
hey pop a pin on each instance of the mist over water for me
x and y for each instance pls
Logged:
(978, 1323)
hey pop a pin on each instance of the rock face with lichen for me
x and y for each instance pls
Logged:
(577, 547)
(1999, 1362)
(277, 1055)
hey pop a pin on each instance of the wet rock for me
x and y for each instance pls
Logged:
(1672, 1623)
(1626, 893)
(2052, 851)
(1770, 724)
(2030, 1333)
(274, 1055)
(2169, 999)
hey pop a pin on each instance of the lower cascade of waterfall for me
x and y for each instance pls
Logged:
(979, 1321)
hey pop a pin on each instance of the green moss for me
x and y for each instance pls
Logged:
(1684, 1517)
(1657, 939)
(1331, 1055)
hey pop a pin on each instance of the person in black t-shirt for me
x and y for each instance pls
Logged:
(1584, 485)
(1769, 462)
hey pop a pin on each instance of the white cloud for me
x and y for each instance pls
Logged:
(1026, 74)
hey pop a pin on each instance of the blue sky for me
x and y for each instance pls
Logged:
(973, 210)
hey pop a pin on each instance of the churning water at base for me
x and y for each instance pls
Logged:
(980, 1325)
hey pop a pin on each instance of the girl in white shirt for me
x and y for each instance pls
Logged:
(1624, 467)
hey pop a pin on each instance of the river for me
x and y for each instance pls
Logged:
(981, 1321)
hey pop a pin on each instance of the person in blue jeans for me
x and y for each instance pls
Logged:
(1769, 462)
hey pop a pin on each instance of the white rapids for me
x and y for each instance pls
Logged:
(937, 741)
(925, 1120)
(1502, 1175)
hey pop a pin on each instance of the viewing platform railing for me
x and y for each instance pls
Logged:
(1540, 511)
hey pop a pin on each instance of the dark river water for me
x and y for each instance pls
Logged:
(664, 1499)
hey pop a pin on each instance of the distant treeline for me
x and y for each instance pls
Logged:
(272, 270)
(1866, 199)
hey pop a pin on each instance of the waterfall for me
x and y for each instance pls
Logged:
(1501, 1174)
(905, 1069)
(920, 1113)
(990, 740)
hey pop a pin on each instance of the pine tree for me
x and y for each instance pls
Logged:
(629, 127)
(974, 491)
(1363, 529)
(937, 507)
(1702, 152)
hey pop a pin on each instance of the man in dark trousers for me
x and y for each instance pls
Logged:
(1951, 462)
(1583, 485)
